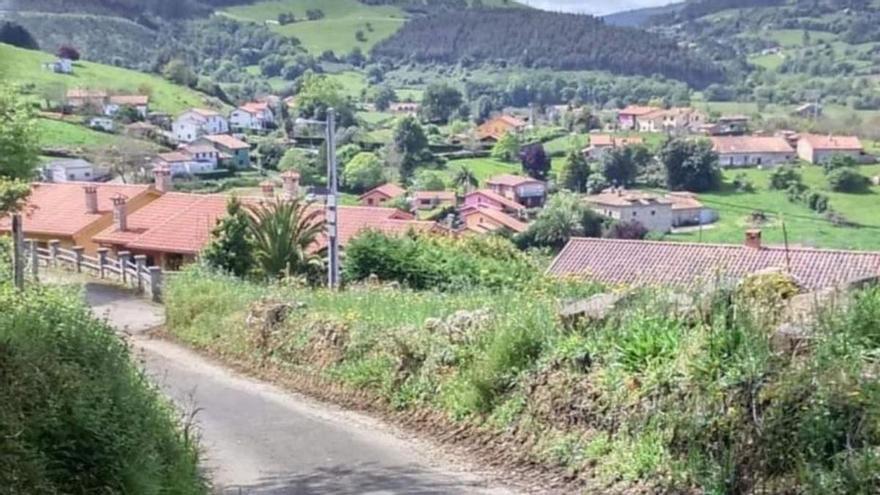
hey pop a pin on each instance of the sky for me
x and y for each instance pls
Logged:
(597, 7)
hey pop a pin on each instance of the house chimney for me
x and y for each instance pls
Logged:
(268, 188)
(91, 198)
(162, 175)
(119, 215)
(753, 239)
(290, 186)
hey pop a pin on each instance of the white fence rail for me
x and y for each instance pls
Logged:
(131, 271)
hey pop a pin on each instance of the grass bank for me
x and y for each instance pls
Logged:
(76, 416)
(649, 400)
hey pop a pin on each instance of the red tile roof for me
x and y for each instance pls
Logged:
(133, 100)
(227, 141)
(60, 209)
(204, 112)
(497, 215)
(750, 144)
(512, 180)
(388, 190)
(623, 197)
(174, 157)
(493, 196)
(603, 140)
(819, 142)
(638, 110)
(435, 195)
(626, 262)
(254, 107)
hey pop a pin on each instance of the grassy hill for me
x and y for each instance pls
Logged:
(24, 68)
(335, 31)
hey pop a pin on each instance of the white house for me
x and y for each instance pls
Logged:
(601, 144)
(196, 122)
(202, 153)
(752, 151)
(141, 103)
(653, 212)
(252, 116)
(71, 170)
(814, 148)
(182, 163)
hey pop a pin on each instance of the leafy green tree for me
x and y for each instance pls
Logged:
(363, 172)
(310, 168)
(284, 235)
(317, 93)
(409, 144)
(19, 148)
(632, 229)
(839, 161)
(621, 166)
(847, 180)
(563, 217)
(535, 162)
(439, 102)
(783, 177)
(429, 180)
(575, 172)
(179, 72)
(383, 97)
(231, 249)
(690, 165)
(507, 148)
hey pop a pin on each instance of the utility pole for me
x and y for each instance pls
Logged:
(331, 217)
(17, 251)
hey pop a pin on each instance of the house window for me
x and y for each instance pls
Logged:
(635, 213)
(653, 213)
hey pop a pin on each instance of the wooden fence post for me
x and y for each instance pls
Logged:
(123, 257)
(35, 260)
(78, 258)
(102, 260)
(54, 246)
(140, 261)
(156, 283)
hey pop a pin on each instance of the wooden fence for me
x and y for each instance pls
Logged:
(131, 271)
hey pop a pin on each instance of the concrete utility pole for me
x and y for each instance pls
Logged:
(17, 252)
(332, 201)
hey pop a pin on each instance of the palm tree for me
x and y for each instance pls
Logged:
(284, 234)
(465, 179)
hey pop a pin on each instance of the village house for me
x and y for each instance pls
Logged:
(141, 103)
(429, 200)
(482, 220)
(673, 120)
(526, 191)
(818, 149)
(487, 198)
(252, 116)
(687, 265)
(404, 108)
(628, 118)
(381, 195)
(495, 128)
(751, 151)
(73, 212)
(687, 209)
(653, 212)
(189, 160)
(232, 149)
(601, 144)
(727, 125)
(197, 122)
(79, 98)
(71, 170)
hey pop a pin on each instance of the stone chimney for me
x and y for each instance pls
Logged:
(162, 176)
(753, 239)
(91, 198)
(120, 219)
(268, 188)
(290, 188)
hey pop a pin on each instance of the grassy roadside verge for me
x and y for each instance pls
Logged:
(651, 400)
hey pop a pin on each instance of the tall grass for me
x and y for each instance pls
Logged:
(76, 416)
(668, 400)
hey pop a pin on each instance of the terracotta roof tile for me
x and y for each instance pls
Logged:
(623, 197)
(227, 141)
(133, 100)
(689, 265)
(497, 215)
(638, 110)
(493, 196)
(437, 195)
(60, 209)
(819, 142)
(603, 140)
(512, 180)
(389, 190)
(750, 144)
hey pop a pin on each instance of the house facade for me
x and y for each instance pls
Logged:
(628, 118)
(232, 149)
(487, 198)
(429, 200)
(814, 148)
(195, 123)
(186, 162)
(141, 103)
(379, 196)
(78, 98)
(653, 212)
(483, 220)
(252, 116)
(71, 170)
(752, 151)
(526, 191)
(496, 127)
(601, 144)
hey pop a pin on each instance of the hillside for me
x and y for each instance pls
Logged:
(24, 68)
(545, 39)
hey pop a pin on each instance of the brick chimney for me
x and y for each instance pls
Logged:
(162, 176)
(753, 239)
(91, 198)
(268, 188)
(290, 188)
(119, 214)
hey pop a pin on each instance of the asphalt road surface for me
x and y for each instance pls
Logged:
(259, 439)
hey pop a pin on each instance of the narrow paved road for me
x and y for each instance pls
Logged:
(259, 439)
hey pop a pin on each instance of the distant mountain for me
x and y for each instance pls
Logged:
(544, 39)
(640, 17)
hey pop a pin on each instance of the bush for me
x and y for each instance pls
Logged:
(783, 177)
(847, 180)
(632, 229)
(84, 420)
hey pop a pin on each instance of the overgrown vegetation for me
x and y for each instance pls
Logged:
(659, 397)
(76, 416)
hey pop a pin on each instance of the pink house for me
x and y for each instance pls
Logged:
(486, 198)
(526, 191)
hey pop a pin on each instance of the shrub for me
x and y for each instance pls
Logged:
(848, 180)
(632, 229)
(783, 177)
(84, 420)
